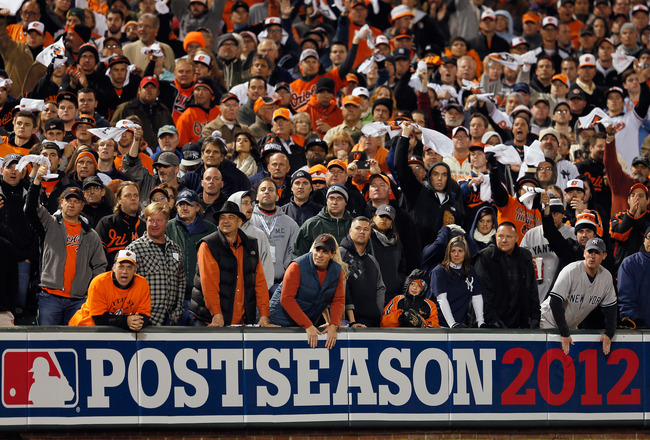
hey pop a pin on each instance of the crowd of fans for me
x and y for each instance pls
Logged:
(459, 163)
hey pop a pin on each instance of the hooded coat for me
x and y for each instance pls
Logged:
(429, 209)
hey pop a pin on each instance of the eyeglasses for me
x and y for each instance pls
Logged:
(160, 199)
(111, 46)
(562, 111)
(545, 168)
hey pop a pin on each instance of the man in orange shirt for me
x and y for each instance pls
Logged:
(322, 108)
(72, 253)
(230, 284)
(201, 110)
(119, 298)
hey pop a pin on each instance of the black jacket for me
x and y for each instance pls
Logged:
(117, 231)
(509, 303)
(425, 207)
(220, 249)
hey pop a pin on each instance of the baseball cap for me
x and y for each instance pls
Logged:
(240, 4)
(586, 30)
(576, 93)
(352, 100)
(550, 21)
(488, 13)
(614, 90)
(54, 124)
(337, 188)
(518, 41)
(300, 174)
(167, 129)
(531, 16)
(308, 53)
(325, 241)
(36, 26)
(638, 186)
(378, 176)
(477, 146)
(73, 191)
(596, 244)
(191, 154)
(166, 159)
(575, 184)
(639, 8)
(325, 83)
(206, 82)
(351, 77)
(337, 163)
(92, 181)
(283, 85)
(272, 21)
(84, 119)
(521, 87)
(456, 130)
(381, 39)
(264, 100)
(318, 173)
(416, 160)
(202, 58)
(399, 12)
(641, 160)
(282, 113)
(587, 60)
(118, 59)
(11, 158)
(488, 135)
(67, 96)
(386, 210)
(453, 104)
(361, 91)
(316, 142)
(402, 53)
(188, 196)
(359, 3)
(149, 80)
(403, 33)
(561, 77)
(125, 255)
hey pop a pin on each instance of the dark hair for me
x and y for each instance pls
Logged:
(261, 57)
(118, 194)
(594, 138)
(87, 90)
(266, 179)
(116, 11)
(446, 262)
(26, 114)
(214, 141)
(478, 116)
(361, 218)
(49, 145)
(261, 78)
(506, 223)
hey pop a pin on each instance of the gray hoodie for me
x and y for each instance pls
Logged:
(262, 241)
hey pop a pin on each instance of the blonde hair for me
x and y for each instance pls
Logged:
(156, 208)
(336, 256)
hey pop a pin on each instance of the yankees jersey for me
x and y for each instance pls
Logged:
(535, 242)
(579, 296)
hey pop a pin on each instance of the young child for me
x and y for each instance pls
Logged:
(411, 309)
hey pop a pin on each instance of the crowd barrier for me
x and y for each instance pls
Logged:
(247, 377)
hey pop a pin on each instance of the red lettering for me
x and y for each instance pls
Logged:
(615, 395)
(510, 395)
(591, 396)
(568, 377)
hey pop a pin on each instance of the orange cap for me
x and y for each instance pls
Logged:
(531, 16)
(354, 100)
(282, 113)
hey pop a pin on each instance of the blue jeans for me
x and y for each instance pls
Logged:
(186, 318)
(24, 270)
(56, 310)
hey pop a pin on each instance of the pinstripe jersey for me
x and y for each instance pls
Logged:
(579, 295)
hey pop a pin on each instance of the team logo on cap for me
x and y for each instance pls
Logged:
(53, 379)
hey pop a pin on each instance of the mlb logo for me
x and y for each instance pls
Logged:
(40, 378)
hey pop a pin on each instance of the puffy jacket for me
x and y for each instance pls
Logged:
(312, 297)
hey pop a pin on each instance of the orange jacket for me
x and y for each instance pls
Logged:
(331, 115)
(191, 122)
(394, 310)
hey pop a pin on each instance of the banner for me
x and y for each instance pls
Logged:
(247, 377)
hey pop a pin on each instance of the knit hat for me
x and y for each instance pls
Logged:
(89, 47)
(337, 188)
(385, 102)
(193, 37)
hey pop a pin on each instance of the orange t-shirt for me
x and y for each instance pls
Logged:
(147, 162)
(104, 296)
(524, 219)
(192, 121)
(363, 51)
(73, 232)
